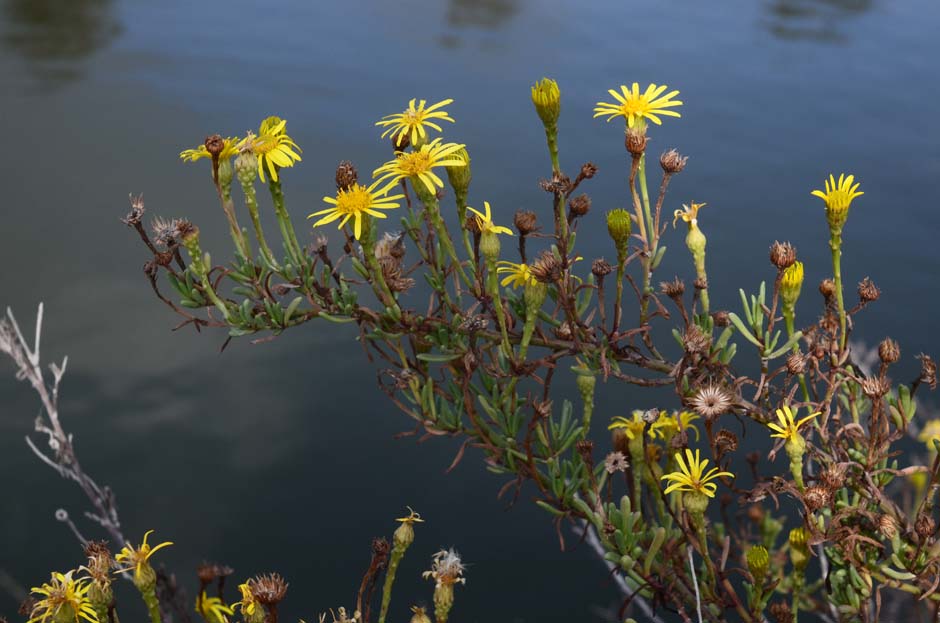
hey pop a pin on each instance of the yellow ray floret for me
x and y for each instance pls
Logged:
(689, 214)
(633, 105)
(63, 596)
(839, 195)
(485, 221)
(633, 426)
(273, 147)
(413, 119)
(230, 149)
(516, 274)
(212, 609)
(789, 427)
(354, 203)
(693, 477)
(420, 164)
(136, 557)
(667, 425)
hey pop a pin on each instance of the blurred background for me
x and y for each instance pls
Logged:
(281, 457)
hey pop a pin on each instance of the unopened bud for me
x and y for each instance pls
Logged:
(489, 245)
(758, 563)
(827, 287)
(546, 96)
(791, 282)
(799, 548)
(619, 227)
(459, 176)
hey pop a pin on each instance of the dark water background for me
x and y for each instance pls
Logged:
(280, 457)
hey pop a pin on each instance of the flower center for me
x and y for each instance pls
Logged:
(414, 163)
(353, 201)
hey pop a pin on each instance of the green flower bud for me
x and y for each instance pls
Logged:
(547, 99)
(619, 227)
(246, 168)
(758, 563)
(459, 177)
(225, 173)
(489, 245)
(586, 383)
(799, 549)
(695, 502)
(403, 536)
(534, 295)
(695, 240)
(790, 284)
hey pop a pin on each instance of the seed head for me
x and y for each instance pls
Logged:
(924, 526)
(268, 589)
(875, 387)
(928, 371)
(868, 291)
(696, 341)
(673, 289)
(588, 170)
(796, 363)
(546, 268)
(827, 287)
(722, 318)
(672, 161)
(888, 526)
(346, 175)
(816, 497)
(889, 351)
(580, 205)
(616, 462)
(711, 401)
(525, 222)
(833, 477)
(635, 141)
(725, 442)
(601, 268)
(782, 254)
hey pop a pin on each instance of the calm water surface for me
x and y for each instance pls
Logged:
(281, 457)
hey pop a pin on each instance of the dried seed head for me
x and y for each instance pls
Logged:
(672, 161)
(782, 254)
(635, 141)
(564, 331)
(137, 211)
(472, 225)
(673, 289)
(796, 363)
(928, 371)
(268, 589)
(696, 341)
(711, 401)
(889, 351)
(833, 477)
(725, 442)
(816, 497)
(214, 145)
(616, 462)
(601, 268)
(888, 526)
(924, 526)
(868, 291)
(875, 387)
(473, 324)
(722, 318)
(546, 268)
(525, 221)
(346, 175)
(700, 284)
(780, 610)
(827, 287)
(580, 205)
(27, 606)
(588, 170)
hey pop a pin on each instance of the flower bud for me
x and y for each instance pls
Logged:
(420, 616)
(547, 99)
(586, 383)
(246, 168)
(782, 254)
(489, 245)
(459, 176)
(226, 173)
(346, 175)
(619, 227)
(758, 563)
(799, 549)
(791, 282)
(403, 536)
(534, 295)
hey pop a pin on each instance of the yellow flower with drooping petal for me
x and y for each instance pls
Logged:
(516, 274)
(485, 221)
(667, 425)
(248, 604)
(63, 598)
(789, 427)
(137, 557)
(421, 163)
(689, 214)
(413, 119)
(212, 609)
(229, 149)
(635, 106)
(929, 433)
(693, 477)
(356, 202)
(273, 147)
(632, 426)
(413, 517)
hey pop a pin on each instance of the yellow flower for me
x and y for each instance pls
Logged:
(354, 202)
(689, 214)
(692, 477)
(789, 428)
(136, 558)
(485, 221)
(413, 120)
(632, 427)
(839, 196)
(229, 150)
(419, 164)
(212, 609)
(273, 147)
(248, 604)
(64, 598)
(666, 425)
(634, 106)
(930, 432)
(516, 274)
(412, 517)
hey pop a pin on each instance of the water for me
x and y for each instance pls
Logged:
(280, 457)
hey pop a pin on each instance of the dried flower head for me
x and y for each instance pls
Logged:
(827, 287)
(816, 497)
(268, 589)
(99, 562)
(580, 205)
(711, 401)
(888, 526)
(796, 363)
(782, 254)
(601, 268)
(833, 476)
(546, 268)
(696, 341)
(868, 291)
(889, 351)
(616, 462)
(875, 387)
(673, 289)
(672, 161)
(346, 175)
(928, 371)
(446, 568)
(526, 222)
(725, 442)
(635, 141)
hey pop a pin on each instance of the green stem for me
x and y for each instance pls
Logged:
(835, 245)
(153, 606)
(238, 236)
(397, 554)
(283, 220)
(789, 317)
(551, 137)
(251, 200)
(492, 286)
(799, 579)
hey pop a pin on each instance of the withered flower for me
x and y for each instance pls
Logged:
(673, 289)
(796, 363)
(546, 268)
(827, 287)
(580, 205)
(782, 254)
(868, 291)
(601, 268)
(928, 371)
(672, 161)
(346, 175)
(635, 141)
(711, 401)
(616, 462)
(875, 387)
(268, 589)
(525, 221)
(696, 341)
(816, 497)
(888, 351)
(725, 442)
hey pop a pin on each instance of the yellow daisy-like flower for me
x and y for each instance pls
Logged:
(929, 432)
(273, 147)
(212, 609)
(355, 202)
(516, 274)
(485, 220)
(136, 557)
(839, 196)
(633, 426)
(412, 517)
(63, 598)
(230, 149)
(248, 604)
(789, 427)
(666, 424)
(420, 164)
(634, 106)
(693, 477)
(689, 214)
(413, 120)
